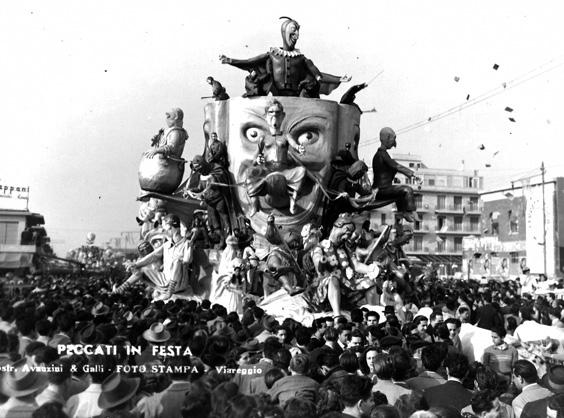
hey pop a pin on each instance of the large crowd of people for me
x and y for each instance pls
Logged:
(195, 359)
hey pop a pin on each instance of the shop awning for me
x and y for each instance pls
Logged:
(15, 260)
(440, 259)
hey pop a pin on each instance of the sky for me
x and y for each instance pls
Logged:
(86, 84)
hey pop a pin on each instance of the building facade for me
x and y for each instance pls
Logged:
(522, 227)
(22, 234)
(449, 207)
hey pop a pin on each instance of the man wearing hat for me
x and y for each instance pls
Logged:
(257, 371)
(85, 403)
(174, 253)
(173, 396)
(59, 384)
(21, 385)
(156, 334)
(116, 399)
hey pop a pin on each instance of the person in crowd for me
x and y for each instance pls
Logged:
(355, 393)
(85, 404)
(21, 385)
(500, 356)
(344, 332)
(258, 370)
(58, 387)
(452, 392)
(385, 369)
(117, 397)
(487, 381)
(453, 324)
(173, 396)
(431, 359)
(525, 378)
(296, 384)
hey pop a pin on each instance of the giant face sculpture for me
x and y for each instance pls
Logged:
(322, 127)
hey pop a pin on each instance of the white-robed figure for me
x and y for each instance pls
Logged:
(229, 285)
(175, 253)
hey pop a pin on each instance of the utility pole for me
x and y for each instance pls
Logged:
(543, 219)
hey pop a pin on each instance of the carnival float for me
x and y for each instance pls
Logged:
(268, 210)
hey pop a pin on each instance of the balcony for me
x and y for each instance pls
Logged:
(459, 209)
(459, 230)
(473, 208)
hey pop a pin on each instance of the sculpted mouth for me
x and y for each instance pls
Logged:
(308, 204)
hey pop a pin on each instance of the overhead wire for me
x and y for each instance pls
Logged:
(478, 99)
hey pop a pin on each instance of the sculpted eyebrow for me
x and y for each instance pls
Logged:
(306, 119)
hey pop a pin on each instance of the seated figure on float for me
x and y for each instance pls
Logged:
(174, 253)
(275, 173)
(285, 71)
(385, 169)
(338, 272)
(231, 282)
(211, 187)
(171, 141)
(281, 268)
(162, 167)
(348, 179)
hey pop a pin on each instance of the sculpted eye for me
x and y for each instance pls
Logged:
(308, 137)
(253, 134)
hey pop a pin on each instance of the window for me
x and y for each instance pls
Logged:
(473, 182)
(441, 223)
(382, 219)
(513, 222)
(457, 202)
(514, 257)
(9, 233)
(419, 201)
(458, 223)
(513, 226)
(417, 226)
(474, 223)
(417, 243)
(458, 244)
(494, 222)
(411, 165)
(431, 182)
(457, 181)
(473, 203)
(441, 245)
(441, 202)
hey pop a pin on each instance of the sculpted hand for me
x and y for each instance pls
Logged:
(129, 265)
(150, 154)
(345, 79)
(224, 59)
(260, 160)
